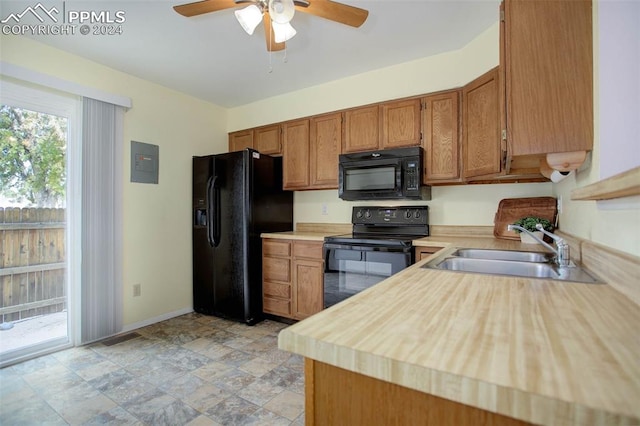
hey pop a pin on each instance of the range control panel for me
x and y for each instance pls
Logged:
(405, 215)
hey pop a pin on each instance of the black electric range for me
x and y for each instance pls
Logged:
(379, 246)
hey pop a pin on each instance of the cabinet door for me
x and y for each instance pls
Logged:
(401, 124)
(308, 289)
(481, 144)
(240, 140)
(296, 154)
(424, 252)
(325, 145)
(267, 140)
(441, 137)
(361, 129)
(548, 60)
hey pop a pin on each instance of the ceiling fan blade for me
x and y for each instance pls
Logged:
(334, 11)
(205, 6)
(270, 36)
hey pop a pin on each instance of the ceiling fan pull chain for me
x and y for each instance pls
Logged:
(285, 59)
(270, 52)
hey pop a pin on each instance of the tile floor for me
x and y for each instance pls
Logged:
(189, 370)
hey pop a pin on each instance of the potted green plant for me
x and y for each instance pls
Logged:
(529, 223)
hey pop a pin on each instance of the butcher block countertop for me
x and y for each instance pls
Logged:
(538, 350)
(311, 231)
(297, 235)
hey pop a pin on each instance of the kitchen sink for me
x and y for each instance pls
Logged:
(511, 263)
(522, 256)
(499, 267)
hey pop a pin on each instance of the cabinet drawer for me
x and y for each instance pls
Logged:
(276, 306)
(280, 290)
(276, 269)
(309, 250)
(280, 248)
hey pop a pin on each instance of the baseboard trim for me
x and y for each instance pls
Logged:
(163, 317)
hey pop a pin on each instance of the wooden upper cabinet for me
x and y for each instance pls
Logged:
(240, 140)
(400, 124)
(267, 140)
(441, 141)
(481, 143)
(295, 136)
(264, 139)
(548, 61)
(325, 146)
(361, 129)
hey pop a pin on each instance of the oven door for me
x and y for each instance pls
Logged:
(350, 269)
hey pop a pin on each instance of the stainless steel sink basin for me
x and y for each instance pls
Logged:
(499, 267)
(511, 263)
(522, 256)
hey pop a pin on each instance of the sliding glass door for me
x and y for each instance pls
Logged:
(38, 145)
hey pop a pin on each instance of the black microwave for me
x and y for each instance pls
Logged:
(382, 175)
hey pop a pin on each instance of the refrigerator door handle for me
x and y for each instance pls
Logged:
(212, 212)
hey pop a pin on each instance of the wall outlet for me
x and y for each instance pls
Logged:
(137, 290)
(325, 210)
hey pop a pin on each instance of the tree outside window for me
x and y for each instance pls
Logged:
(32, 157)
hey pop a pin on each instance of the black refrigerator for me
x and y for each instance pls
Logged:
(236, 197)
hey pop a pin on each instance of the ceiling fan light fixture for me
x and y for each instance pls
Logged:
(282, 32)
(249, 17)
(281, 11)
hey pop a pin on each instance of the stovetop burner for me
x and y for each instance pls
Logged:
(389, 226)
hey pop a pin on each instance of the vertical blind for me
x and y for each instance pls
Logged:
(101, 287)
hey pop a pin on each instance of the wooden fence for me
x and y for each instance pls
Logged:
(32, 262)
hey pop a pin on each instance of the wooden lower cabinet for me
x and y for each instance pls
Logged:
(424, 252)
(334, 396)
(276, 277)
(293, 273)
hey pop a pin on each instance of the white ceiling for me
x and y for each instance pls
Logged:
(212, 58)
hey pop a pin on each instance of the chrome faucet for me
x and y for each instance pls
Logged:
(563, 256)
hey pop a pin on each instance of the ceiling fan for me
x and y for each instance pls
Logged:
(277, 14)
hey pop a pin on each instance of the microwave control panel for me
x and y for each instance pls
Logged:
(412, 175)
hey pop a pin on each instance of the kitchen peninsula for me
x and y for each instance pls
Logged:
(455, 348)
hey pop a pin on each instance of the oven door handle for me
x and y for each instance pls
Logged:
(394, 249)
(334, 246)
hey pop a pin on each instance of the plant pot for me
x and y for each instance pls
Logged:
(528, 239)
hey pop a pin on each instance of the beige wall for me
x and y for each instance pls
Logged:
(431, 74)
(452, 205)
(157, 225)
(612, 223)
